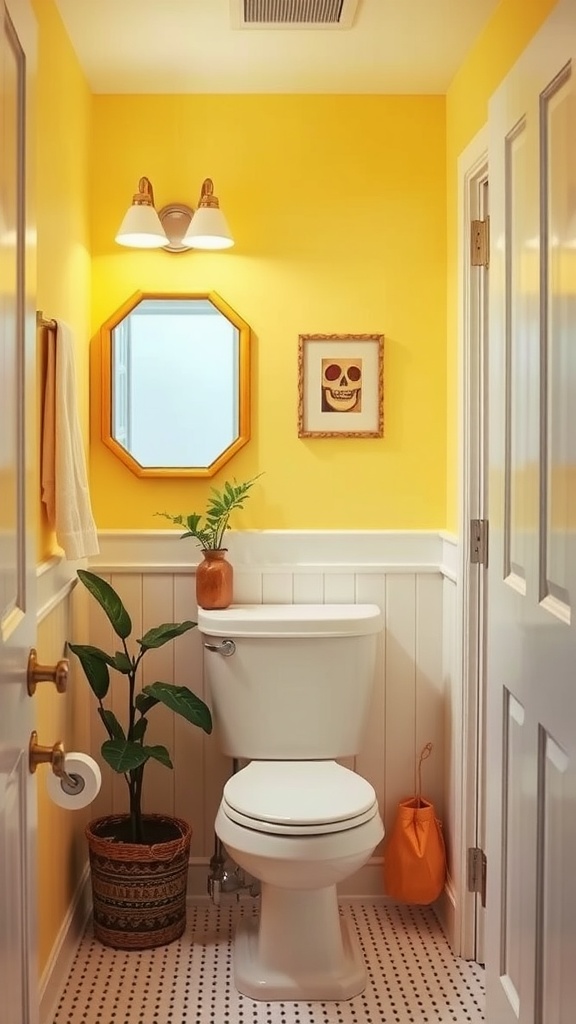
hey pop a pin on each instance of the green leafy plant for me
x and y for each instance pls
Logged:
(125, 749)
(209, 528)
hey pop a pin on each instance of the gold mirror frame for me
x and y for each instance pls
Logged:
(106, 343)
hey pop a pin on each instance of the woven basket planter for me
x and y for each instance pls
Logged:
(138, 891)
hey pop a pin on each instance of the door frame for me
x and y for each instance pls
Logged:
(470, 631)
(19, 812)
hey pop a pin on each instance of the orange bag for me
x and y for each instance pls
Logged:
(414, 855)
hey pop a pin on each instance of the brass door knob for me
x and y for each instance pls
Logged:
(57, 674)
(56, 757)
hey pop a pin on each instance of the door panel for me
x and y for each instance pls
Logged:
(555, 956)
(18, 980)
(558, 120)
(13, 784)
(518, 412)
(511, 919)
(532, 576)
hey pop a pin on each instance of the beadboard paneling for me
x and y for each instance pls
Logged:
(453, 738)
(401, 572)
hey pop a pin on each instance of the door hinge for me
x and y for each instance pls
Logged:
(477, 872)
(480, 242)
(479, 541)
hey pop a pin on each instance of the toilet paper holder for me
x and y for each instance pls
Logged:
(56, 757)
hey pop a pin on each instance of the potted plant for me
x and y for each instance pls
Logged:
(139, 862)
(214, 575)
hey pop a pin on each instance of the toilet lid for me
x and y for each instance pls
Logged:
(278, 829)
(298, 797)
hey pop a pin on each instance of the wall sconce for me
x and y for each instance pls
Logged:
(176, 227)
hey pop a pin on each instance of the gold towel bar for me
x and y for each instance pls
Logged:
(41, 321)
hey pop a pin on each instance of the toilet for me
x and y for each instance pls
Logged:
(290, 690)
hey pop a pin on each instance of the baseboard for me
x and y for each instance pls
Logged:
(445, 908)
(366, 882)
(64, 950)
(198, 869)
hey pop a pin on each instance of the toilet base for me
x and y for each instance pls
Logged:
(299, 949)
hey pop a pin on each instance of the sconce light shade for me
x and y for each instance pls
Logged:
(141, 227)
(176, 228)
(208, 228)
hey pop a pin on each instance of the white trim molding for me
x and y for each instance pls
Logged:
(468, 636)
(269, 551)
(449, 563)
(55, 579)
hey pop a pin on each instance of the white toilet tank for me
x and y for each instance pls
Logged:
(299, 681)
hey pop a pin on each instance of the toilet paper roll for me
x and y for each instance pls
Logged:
(87, 779)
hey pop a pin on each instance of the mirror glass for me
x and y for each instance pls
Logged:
(175, 384)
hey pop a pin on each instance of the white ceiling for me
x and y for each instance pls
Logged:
(190, 46)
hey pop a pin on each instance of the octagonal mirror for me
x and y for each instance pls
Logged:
(175, 384)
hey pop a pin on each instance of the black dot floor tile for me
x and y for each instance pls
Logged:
(413, 978)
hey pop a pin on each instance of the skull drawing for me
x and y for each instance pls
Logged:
(342, 385)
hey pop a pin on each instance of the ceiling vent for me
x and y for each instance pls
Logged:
(293, 13)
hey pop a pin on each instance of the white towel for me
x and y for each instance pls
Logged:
(64, 480)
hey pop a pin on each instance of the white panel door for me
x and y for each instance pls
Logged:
(531, 919)
(18, 968)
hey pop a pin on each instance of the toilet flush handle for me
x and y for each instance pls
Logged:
(227, 648)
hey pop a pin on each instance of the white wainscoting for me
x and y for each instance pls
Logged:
(410, 575)
(452, 750)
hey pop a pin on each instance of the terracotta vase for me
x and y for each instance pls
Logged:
(214, 579)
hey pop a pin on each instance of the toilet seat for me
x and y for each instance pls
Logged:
(273, 828)
(298, 798)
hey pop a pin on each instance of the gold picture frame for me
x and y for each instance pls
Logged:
(341, 385)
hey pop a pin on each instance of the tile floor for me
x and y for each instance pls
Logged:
(412, 976)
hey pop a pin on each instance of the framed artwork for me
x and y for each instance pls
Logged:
(341, 385)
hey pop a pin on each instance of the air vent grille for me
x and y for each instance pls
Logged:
(293, 13)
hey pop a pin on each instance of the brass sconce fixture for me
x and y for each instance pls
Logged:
(175, 227)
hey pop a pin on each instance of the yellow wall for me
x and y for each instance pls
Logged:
(496, 49)
(63, 137)
(338, 208)
(63, 160)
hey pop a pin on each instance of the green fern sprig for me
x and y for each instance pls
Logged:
(209, 529)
